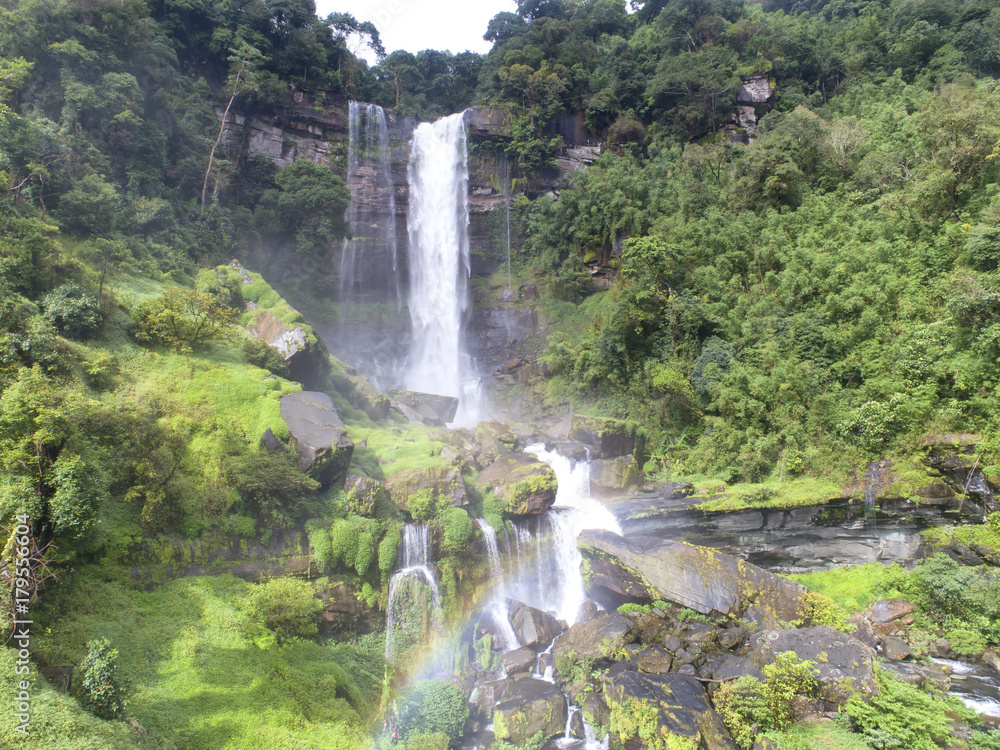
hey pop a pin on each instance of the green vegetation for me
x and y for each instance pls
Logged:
(286, 607)
(433, 707)
(100, 690)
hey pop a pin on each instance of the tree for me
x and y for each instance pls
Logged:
(101, 689)
(185, 319)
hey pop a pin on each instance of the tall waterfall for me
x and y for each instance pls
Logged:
(439, 264)
(369, 175)
(414, 599)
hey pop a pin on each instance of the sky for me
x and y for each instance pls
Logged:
(415, 25)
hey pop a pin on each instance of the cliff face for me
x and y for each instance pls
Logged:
(316, 127)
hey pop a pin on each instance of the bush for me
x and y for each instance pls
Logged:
(101, 689)
(183, 319)
(261, 354)
(286, 607)
(89, 209)
(73, 311)
(457, 528)
(434, 706)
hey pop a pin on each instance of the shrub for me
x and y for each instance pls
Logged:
(286, 607)
(343, 543)
(457, 528)
(101, 689)
(72, 310)
(262, 354)
(388, 549)
(183, 319)
(434, 706)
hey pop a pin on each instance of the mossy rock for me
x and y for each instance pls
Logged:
(363, 494)
(525, 485)
(609, 438)
(494, 440)
(614, 476)
(528, 707)
(441, 481)
(320, 437)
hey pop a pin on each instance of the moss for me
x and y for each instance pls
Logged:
(786, 494)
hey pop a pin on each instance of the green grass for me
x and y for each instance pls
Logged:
(774, 494)
(822, 735)
(400, 447)
(203, 677)
(985, 535)
(855, 587)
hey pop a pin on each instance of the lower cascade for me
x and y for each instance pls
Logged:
(414, 599)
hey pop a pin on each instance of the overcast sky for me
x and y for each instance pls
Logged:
(414, 25)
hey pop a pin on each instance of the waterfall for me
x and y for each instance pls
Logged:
(369, 175)
(506, 638)
(438, 225)
(410, 615)
(492, 550)
(560, 581)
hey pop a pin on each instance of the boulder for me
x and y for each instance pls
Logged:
(431, 408)
(608, 438)
(442, 481)
(595, 639)
(519, 660)
(927, 676)
(680, 701)
(846, 667)
(493, 440)
(270, 441)
(362, 494)
(896, 648)
(321, 443)
(534, 627)
(885, 611)
(307, 358)
(614, 476)
(528, 707)
(653, 661)
(648, 568)
(526, 485)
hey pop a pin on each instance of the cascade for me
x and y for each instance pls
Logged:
(497, 608)
(438, 226)
(410, 615)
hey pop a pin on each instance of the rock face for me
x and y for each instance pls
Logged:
(608, 438)
(646, 569)
(321, 441)
(528, 707)
(846, 666)
(680, 702)
(614, 476)
(440, 480)
(431, 408)
(307, 358)
(526, 485)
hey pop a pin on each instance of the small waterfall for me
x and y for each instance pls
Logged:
(507, 639)
(410, 615)
(438, 226)
(492, 550)
(561, 585)
(871, 487)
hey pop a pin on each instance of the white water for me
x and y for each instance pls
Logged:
(574, 511)
(414, 572)
(438, 225)
(369, 175)
(977, 686)
(496, 610)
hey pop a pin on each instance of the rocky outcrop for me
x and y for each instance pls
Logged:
(608, 438)
(320, 437)
(430, 408)
(526, 485)
(527, 708)
(441, 481)
(845, 666)
(680, 702)
(614, 476)
(647, 569)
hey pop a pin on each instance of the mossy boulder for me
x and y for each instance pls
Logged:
(324, 450)
(595, 640)
(494, 440)
(442, 481)
(657, 710)
(528, 707)
(363, 494)
(649, 568)
(614, 476)
(526, 485)
(845, 666)
(609, 438)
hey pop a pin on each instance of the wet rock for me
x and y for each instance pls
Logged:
(588, 611)
(487, 695)
(320, 437)
(896, 648)
(493, 440)
(680, 701)
(519, 660)
(653, 661)
(526, 485)
(940, 648)
(614, 476)
(608, 438)
(528, 707)
(430, 406)
(595, 708)
(702, 579)
(992, 659)
(576, 725)
(442, 481)
(595, 639)
(846, 667)
(534, 627)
